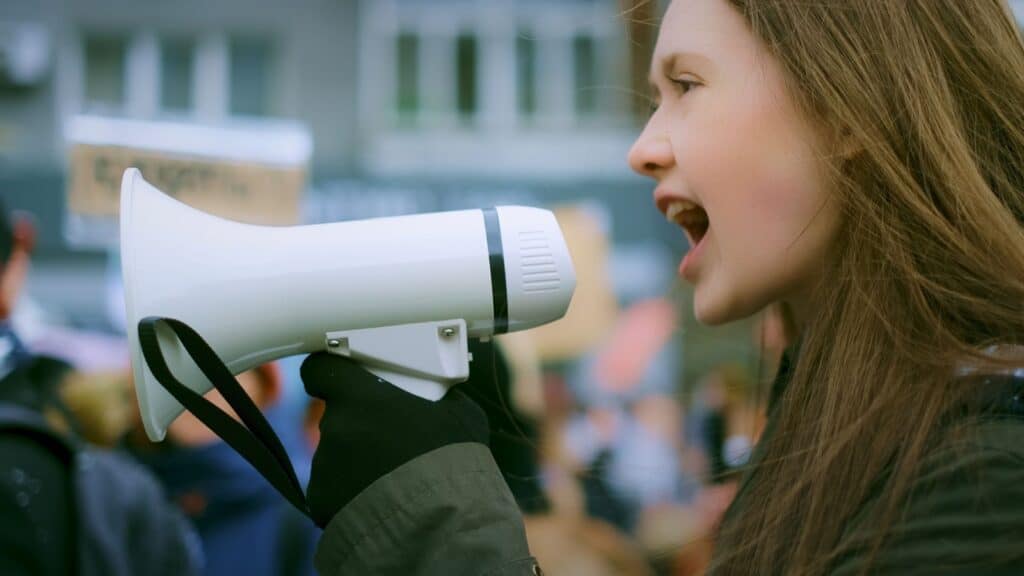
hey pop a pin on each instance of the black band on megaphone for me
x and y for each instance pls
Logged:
(499, 287)
(256, 441)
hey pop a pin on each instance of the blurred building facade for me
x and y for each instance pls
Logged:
(412, 105)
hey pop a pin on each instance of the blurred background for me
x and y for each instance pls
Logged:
(326, 110)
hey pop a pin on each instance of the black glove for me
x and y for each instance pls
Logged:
(371, 427)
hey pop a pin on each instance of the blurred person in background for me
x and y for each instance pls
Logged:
(565, 540)
(724, 421)
(627, 439)
(67, 507)
(244, 526)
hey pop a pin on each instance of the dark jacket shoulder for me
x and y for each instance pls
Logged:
(965, 511)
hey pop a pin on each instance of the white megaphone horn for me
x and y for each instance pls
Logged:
(400, 295)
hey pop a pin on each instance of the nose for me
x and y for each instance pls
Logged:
(651, 154)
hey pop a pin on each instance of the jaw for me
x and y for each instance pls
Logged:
(721, 295)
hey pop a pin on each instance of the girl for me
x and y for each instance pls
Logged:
(863, 164)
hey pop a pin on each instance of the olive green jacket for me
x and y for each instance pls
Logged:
(446, 512)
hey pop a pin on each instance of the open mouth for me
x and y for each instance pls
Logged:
(691, 217)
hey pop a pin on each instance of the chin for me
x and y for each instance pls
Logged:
(709, 310)
(717, 307)
(710, 316)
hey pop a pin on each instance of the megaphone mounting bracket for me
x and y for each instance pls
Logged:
(424, 358)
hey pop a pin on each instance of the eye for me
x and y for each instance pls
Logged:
(684, 85)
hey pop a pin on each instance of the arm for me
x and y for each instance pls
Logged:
(446, 512)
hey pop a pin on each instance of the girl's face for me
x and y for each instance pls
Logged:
(734, 165)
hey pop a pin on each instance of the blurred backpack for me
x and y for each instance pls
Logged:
(120, 522)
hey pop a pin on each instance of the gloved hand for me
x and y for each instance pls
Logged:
(371, 427)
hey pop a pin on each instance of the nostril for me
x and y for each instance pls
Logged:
(650, 166)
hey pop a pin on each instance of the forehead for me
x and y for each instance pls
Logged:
(712, 29)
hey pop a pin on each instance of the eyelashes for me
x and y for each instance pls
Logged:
(681, 86)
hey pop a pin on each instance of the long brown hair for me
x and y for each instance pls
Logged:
(927, 271)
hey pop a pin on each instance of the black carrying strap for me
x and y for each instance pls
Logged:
(256, 440)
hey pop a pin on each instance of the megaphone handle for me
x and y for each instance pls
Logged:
(256, 441)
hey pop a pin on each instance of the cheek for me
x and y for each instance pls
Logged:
(774, 207)
(758, 179)
(774, 239)
(729, 148)
(754, 175)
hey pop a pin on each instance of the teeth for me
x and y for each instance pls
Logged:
(677, 207)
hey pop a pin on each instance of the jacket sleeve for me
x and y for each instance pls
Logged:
(445, 512)
(965, 515)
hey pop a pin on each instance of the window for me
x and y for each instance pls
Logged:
(585, 64)
(407, 81)
(526, 72)
(177, 56)
(250, 60)
(466, 76)
(105, 71)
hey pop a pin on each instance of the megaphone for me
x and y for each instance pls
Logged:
(400, 295)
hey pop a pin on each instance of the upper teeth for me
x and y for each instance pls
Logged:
(677, 207)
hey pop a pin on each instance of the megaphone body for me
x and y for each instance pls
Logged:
(401, 295)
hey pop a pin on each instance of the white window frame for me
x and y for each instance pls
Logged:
(143, 76)
(551, 143)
